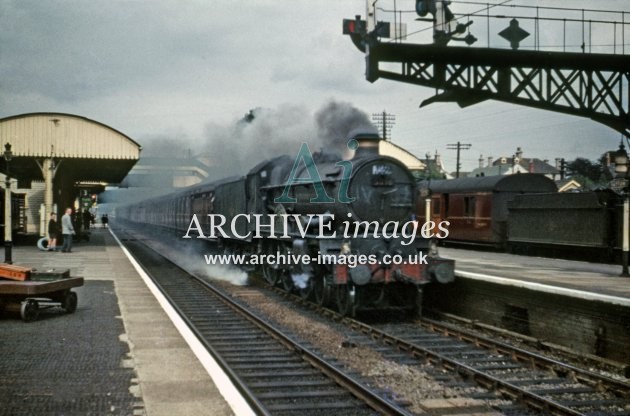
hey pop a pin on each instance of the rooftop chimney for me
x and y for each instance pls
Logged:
(438, 159)
(481, 159)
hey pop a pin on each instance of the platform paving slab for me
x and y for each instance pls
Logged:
(578, 275)
(126, 356)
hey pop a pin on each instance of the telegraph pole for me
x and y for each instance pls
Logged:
(384, 121)
(458, 146)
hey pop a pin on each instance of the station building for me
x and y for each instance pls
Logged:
(61, 160)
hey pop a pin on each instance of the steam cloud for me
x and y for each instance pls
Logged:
(274, 132)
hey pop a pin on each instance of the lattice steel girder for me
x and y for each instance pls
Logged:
(588, 85)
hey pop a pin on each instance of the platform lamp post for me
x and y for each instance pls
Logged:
(621, 172)
(8, 244)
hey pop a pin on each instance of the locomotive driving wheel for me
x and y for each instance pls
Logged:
(416, 310)
(271, 271)
(271, 274)
(345, 295)
(286, 281)
(306, 292)
(321, 289)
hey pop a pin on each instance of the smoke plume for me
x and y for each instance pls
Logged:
(335, 120)
(266, 133)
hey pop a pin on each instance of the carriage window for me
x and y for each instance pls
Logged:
(436, 207)
(469, 206)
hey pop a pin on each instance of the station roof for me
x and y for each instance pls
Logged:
(87, 150)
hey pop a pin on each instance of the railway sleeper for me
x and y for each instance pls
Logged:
(239, 338)
(337, 405)
(535, 381)
(271, 366)
(497, 367)
(243, 345)
(258, 359)
(243, 353)
(307, 372)
(301, 394)
(562, 390)
(593, 403)
(291, 383)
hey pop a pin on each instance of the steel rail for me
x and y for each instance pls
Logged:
(617, 387)
(488, 381)
(356, 388)
(240, 385)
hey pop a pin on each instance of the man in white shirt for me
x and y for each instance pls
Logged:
(67, 230)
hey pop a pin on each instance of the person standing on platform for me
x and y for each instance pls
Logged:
(53, 232)
(67, 230)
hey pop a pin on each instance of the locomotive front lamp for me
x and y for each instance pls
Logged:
(621, 172)
(8, 244)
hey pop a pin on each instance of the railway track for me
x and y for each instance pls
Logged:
(542, 384)
(548, 386)
(275, 374)
(533, 384)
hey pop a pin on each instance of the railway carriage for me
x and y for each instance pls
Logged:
(477, 208)
(524, 213)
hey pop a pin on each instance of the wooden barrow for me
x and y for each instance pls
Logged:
(32, 291)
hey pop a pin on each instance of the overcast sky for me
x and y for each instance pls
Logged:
(177, 68)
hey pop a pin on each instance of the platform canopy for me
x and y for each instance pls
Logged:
(80, 148)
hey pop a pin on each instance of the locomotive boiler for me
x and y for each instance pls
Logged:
(336, 231)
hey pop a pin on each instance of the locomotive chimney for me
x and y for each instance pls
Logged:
(367, 143)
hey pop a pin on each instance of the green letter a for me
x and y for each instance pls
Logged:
(314, 178)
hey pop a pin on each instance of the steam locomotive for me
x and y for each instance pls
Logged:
(336, 231)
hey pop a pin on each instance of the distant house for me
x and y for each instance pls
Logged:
(501, 169)
(435, 166)
(516, 164)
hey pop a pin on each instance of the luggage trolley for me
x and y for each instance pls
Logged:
(28, 291)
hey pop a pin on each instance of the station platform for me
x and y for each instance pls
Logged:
(594, 281)
(582, 306)
(117, 354)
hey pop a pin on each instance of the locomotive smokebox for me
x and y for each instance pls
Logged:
(366, 143)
